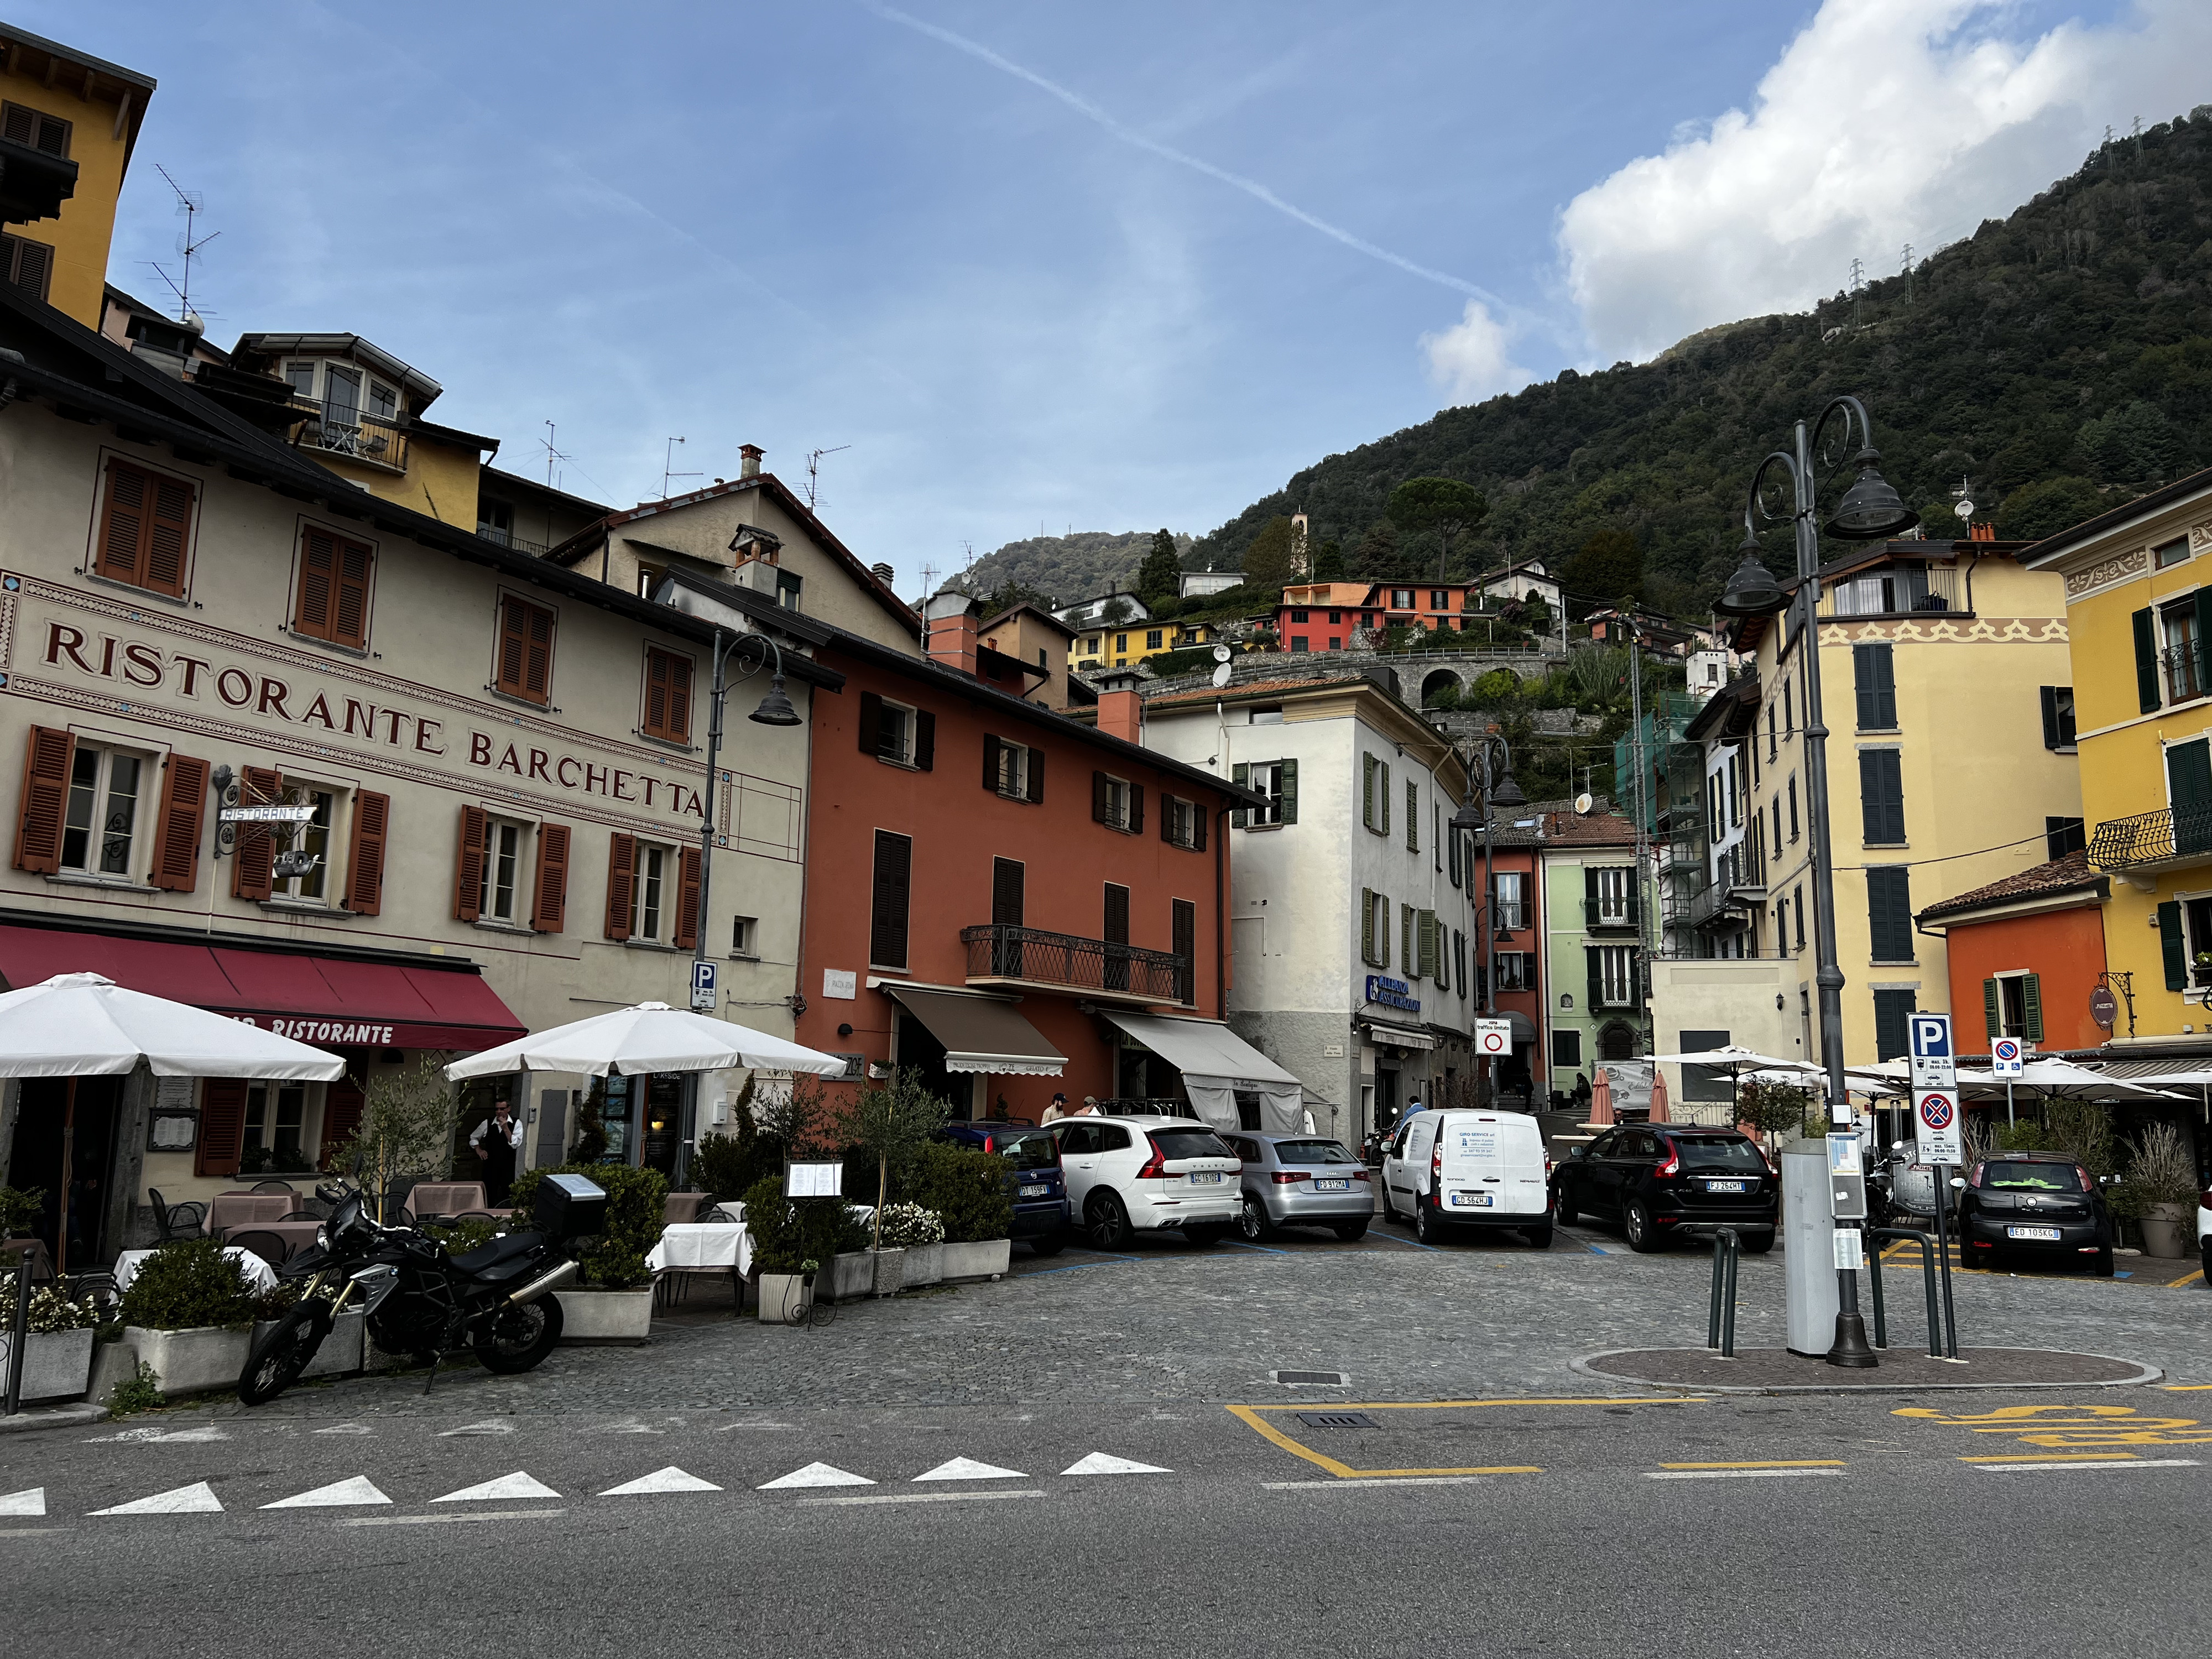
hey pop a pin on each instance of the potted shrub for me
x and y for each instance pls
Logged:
(20, 1210)
(189, 1314)
(921, 1233)
(2163, 1178)
(342, 1350)
(791, 1239)
(615, 1301)
(894, 1121)
(967, 1188)
(58, 1360)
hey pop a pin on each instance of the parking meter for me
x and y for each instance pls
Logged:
(1846, 1179)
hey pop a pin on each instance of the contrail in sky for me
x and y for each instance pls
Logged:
(1251, 187)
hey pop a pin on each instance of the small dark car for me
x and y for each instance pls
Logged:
(2034, 1203)
(1659, 1179)
(1034, 1182)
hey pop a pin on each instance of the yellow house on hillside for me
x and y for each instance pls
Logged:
(2139, 608)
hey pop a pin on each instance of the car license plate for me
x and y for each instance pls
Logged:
(1726, 1187)
(2046, 1235)
(1206, 1178)
(1332, 1186)
(1035, 1192)
(1473, 1200)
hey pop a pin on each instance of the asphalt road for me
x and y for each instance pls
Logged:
(1697, 1526)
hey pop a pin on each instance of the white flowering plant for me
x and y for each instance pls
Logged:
(51, 1310)
(905, 1226)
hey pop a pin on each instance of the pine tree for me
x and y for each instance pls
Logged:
(1160, 576)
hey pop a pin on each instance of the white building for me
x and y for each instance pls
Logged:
(1521, 582)
(1204, 584)
(1091, 612)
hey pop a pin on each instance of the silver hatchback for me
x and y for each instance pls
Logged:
(1302, 1181)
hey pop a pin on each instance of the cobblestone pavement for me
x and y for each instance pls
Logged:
(1167, 1323)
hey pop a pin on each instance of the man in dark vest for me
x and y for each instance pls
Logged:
(495, 1141)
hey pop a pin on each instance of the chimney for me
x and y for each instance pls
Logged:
(1122, 714)
(749, 460)
(951, 623)
(883, 574)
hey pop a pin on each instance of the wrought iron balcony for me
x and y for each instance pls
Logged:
(1895, 589)
(2166, 839)
(342, 429)
(1001, 955)
(1609, 916)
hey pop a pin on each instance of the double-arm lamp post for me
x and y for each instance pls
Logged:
(776, 709)
(1870, 511)
(1495, 789)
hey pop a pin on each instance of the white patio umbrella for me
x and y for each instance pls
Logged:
(2198, 1078)
(77, 1025)
(652, 1037)
(2052, 1075)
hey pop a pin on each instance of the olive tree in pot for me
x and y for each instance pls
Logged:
(189, 1314)
(405, 1133)
(58, 1360)
(791, 1239)
(892, 1123)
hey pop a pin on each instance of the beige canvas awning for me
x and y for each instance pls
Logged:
(981, 1034)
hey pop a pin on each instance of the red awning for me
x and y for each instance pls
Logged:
(322, 1000)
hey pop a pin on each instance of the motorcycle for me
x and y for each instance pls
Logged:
(419, 1298)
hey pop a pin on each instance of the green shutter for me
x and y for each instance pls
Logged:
(1288, 801)
(2172, 947)
(1367, 925)
(1241, 776)
(2030, 1001)
(2146, 661)
(2049, 717)
(1367, 790)
(1413, 815)
(1992, 1009)
(1383, 794)
(1452, 836)
(1409, 957)
(2203, 647)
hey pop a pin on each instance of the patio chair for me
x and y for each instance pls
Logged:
(272, 1187)
(269, 1247)
(174, 1221)
(681, 1209)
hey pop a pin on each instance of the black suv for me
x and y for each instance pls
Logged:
(2039, 1203)
(1656, 1179)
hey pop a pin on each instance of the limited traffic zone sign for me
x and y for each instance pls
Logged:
(1935, 1126)
(1493, 1036)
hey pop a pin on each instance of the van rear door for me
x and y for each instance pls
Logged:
(1473, 1172)
(1521, 1146)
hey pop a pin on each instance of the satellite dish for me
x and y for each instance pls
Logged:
(1583, 803)
(1221, 654)
(1221, 675)
(1965, 509)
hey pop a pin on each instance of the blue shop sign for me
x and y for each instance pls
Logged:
(1392, 993)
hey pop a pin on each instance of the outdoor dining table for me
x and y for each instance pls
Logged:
(259, 1275)
(297, 1235)
(14, 1250)
(692, 1246)
(229, 1210)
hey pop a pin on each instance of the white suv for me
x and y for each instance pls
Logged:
(1131, 1175)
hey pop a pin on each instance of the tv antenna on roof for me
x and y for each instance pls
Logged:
(928, 580)
(191, 204)
(813, 475)
(552, 456)
(668, 461)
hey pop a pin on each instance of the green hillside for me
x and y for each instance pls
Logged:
(2061, 360)
(1065, 567)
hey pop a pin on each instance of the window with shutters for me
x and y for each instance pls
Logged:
(1889, 913)
(2182, 635)
(275, 1114)
(1566, 1048)
(524, 664)
(104, 810)
(1892, 1024)
(145, 528)
(1613, 896)
(1413, 815)
(1409, 943)
(1014, 771)
(667, 695)
(2057, 716)
(888, 903)
(1616, 975)
(1793, 806)
(1797, 913)
(1278, 781)
(1881, 797)
(1374, 928)
(21, 124)
(308, 854)
(1513, 971)
(500, 879)
(27, 266)
(332, 594)
(897, 727)
(2016, 997)
(1374, 794)
(654, 912)
(1874, 679)
(1182, 823)
(1509, 893)
(1112, 802)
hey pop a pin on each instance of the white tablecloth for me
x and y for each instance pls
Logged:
(259, 1275)
(702, 1244)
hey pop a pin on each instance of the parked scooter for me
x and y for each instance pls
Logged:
(420, 1299)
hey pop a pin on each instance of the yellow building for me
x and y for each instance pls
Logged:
(1938, 661)
(2139, 610)
(68, 123)
(1126, 644)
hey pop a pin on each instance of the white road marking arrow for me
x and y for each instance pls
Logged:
(967, 1468)
(1102, 1463)
(817, 1475)
(670, 1479)
(518, 1484)
(33, 1502)
(337, 1495)
(198, 1498)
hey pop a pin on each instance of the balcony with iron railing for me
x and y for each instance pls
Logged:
(1609, 912)
(1001, 955)
(2186, 675)
(1896, 590)
(2168, 839)
(343, 430)
(499, 537)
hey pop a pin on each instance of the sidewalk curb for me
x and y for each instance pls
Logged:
(54, 1417)
(1587, 1366)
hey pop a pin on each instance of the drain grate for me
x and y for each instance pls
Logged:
(1338, 1420)
(1327, 1379)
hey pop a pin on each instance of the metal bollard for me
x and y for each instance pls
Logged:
(1720, 1322)
(1937, 1324)
(19, 1335)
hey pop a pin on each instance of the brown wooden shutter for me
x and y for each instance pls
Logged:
(887, 912)
(667, 695)
(257, 847)
(176, 829)
(622, 876)
(1098, 798)
(349, 601)
(1136, 825)
(507, 677)
(538, 654)
(1167, 817)
(1198, 813)
(1036, 776)
(342, 1104)
(319, 560)
(45, 792)
(169, 534)
(121, 556)
(468, 865)
(34, 266)
(222, 1126)
(925, 741)
(372, 819)
(687, 900)
(990, 762)
(550, 913)
(1117, 914)
(679, 697)
(1006, 882)
(872, 722)
(656, 693)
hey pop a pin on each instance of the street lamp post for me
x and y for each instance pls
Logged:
(775, 709)
(1870, 511)
(1500, 791)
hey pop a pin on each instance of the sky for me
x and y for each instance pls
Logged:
(1024, 268)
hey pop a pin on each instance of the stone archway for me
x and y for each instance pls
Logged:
(1617, 1041)
(1438, 680)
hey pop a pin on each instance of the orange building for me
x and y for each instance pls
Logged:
(1007, 901)
(2028, 951)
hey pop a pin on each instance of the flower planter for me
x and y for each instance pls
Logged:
(784, 1297)
(2162, 1228)
(340, 1354)
(606, 1316)
(924, 1265)
(890, 1271)
(986, 1258)
(851, 1275)
(58, 1365)
(196, 1361)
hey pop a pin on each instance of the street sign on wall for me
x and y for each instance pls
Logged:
(1935, 1126)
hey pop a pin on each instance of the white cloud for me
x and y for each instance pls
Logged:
(1473, 359)
(1883, 122)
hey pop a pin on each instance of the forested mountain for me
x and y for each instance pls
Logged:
(1065, 568)
(2060, 360)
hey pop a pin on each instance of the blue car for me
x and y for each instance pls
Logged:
(1033, 1177)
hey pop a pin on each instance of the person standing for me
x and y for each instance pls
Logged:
(495, 1141)
(1056, 1110)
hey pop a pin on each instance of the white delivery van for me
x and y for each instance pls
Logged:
(1446, 1171)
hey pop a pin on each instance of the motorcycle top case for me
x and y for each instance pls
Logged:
(571, 1206)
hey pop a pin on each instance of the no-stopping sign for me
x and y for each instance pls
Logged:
(1935, 1126)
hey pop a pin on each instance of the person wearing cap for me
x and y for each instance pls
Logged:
(1089, 1108)
(1056, 1110)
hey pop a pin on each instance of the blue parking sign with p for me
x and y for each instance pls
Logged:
(1931, 1036)
(704, 997)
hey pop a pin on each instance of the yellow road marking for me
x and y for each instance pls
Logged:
(2185, 1388)
(2054, 1457)
(1799, 1463)
(2188, 1279)
(1251, 1418)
